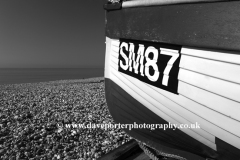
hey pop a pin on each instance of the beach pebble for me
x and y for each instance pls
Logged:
(31, 115)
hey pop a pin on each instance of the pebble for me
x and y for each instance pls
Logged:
(30, 113)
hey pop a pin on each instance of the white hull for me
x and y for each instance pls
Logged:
(208, 93)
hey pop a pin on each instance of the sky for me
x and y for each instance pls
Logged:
(52, 33)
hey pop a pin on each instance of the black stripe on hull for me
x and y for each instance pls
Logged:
(226, 150)
(127, 110)
(206, 25)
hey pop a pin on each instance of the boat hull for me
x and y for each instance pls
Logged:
(185, 73)
(201, 98)
(127, 110)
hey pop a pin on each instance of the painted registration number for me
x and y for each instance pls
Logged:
(153, 63)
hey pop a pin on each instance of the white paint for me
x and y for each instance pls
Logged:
(174, 55)
(115, 42)
(154, 106)
(207, 113)
(169, 107)
(107, 71)
(212, 101)
(139, 54)
(211, 84)
(183, 106)
(125, 67)
(139, 3)
(222, 122)
(152, 62)
(213, 112)
(221, 70)
(226, 56)
(132, 62)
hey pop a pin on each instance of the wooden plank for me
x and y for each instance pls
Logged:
(194, 117)
(205, 96)
(156, 107)
(107, 58)
(217, 86)
(140, 3)
(225, 71)
(216, 55)
(202, 25)
(183, 105)
(220, 87)
(214, 117)
(171, 107)
(123, 106)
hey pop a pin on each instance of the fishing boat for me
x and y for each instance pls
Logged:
(176, 62)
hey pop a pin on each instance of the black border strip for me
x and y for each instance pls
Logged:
(204, 25)
(113, 6)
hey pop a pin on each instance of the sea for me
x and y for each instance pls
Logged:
(31, 75)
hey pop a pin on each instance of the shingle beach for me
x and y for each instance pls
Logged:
(31, 116)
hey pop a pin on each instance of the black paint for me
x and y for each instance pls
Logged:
(206, 25)
(226, 150)
(161, 63)
(114, 6)
(127, 110)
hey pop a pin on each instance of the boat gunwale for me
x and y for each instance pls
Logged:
(201, 25)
